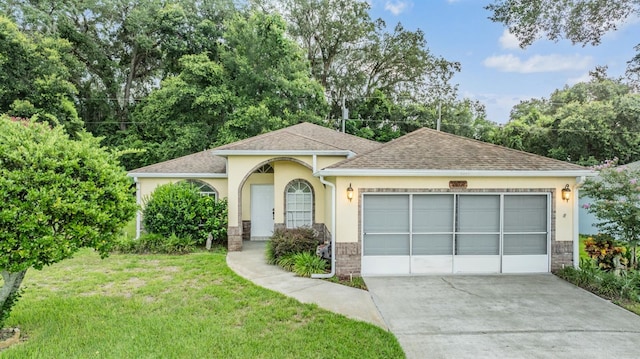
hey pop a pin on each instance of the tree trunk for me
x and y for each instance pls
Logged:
(12, 282)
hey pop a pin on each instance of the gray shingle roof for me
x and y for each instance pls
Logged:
(201, 162)
(304, 136)
(427, 149)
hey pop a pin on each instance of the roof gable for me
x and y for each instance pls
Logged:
(427, 149)
(303, 137)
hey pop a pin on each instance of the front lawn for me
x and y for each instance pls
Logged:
(191, 306)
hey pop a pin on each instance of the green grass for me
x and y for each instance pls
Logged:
(191, 306)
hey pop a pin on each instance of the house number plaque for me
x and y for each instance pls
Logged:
(457, 184)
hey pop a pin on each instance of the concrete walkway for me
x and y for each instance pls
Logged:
(353, 303)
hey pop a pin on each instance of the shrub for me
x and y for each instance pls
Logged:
(292, 241)
(605, 284)
(156, 243)
(305, 264)
(180, 209)
(287, 262)
(606, 252)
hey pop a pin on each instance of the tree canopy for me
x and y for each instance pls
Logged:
(258, 81)
(586, 123)
(34, 78)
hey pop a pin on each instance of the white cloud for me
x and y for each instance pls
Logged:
(498, 106)
(585, 77)
(397, 7)
(538, 63)
(509, 40)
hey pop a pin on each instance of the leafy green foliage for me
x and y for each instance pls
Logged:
(616, 203)
(258, 82)
(585, 124)
(582, 21)
(151, 243)
(35, 80)
(606, 252)
(179, 209)
(58, 195)
(605, 284)
(306, 264)
(287, 241)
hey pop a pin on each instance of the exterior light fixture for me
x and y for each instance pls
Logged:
(350, 192)
(566, 193)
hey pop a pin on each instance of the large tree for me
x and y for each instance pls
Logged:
(126, 46)
(586, 123)
(580, 21)
(35, 79)
(354, 56)
(257, 81)
(615, 202)
(58, 195)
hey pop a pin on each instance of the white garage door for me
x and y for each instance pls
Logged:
(455, 233)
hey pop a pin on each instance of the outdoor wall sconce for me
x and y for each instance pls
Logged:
(350, 192)
(566, 193)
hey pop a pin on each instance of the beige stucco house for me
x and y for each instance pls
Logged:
(428, 202)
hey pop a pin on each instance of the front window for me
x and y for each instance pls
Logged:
(299, 204)
(204, 188)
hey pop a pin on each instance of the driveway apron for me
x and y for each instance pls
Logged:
(502, 316)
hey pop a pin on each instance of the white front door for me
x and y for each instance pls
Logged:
(261, 211)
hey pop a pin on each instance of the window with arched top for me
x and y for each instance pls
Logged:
(204, 188)
(299, 204)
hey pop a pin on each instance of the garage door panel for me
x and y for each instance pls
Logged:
(525, 264)
(431, 264)
(477, 244)
(432, 213)
(432, 244)
(386, 265)
(386, 244)
(476, 264)
(525, 244)
(386, 214)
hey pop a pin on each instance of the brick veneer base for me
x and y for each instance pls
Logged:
(561, 254)
(348, 259)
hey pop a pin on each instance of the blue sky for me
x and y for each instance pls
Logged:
(495, 70)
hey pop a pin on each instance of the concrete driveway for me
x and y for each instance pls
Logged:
(502, 316)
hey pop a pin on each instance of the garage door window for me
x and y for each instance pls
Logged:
(387, 225)
(432, 225)
(478, 225)
(525, 225)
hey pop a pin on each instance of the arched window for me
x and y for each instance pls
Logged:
(204, 188)
(299, 204)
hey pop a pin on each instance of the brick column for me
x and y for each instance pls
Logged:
(234, 239)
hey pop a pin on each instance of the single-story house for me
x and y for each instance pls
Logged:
(427, 202)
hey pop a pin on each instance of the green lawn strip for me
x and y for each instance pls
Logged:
(192, 306)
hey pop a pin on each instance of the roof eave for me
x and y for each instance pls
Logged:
(451, 173)
(176, 175)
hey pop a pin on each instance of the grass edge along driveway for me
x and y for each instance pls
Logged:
(191, 306)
